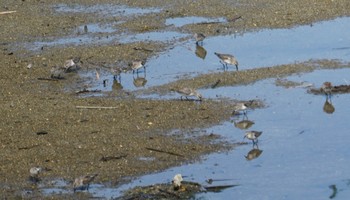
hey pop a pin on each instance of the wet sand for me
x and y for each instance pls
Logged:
(42, 126)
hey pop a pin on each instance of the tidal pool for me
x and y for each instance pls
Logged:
(303, 149)
(322, 40)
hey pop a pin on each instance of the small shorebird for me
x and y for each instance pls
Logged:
(34, 174)
(199, 37)
(116, 71)
(227, 59)
(187, 92)
(327, 89)
(240, 107)
(253, 135)
(35, 171)
(83, 182)
(177, 181)
(136, 65)
(71, 64)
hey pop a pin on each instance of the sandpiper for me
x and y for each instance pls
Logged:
(71, 64)
(34, 174)
(177, 181)
(83, 182)
(187, 92)
(240, 107)
(35, 171)
(136, 65)
(199, 37)
(227, 59)
(116, 71)
(327, 89)
(253, 135)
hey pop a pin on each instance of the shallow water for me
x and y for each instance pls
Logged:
(323, 40)
(103, 10)
(304, 149)
(182, 21)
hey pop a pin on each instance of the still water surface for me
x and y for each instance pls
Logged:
(304, 149)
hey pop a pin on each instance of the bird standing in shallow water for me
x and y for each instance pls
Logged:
(227, 59)
(83, 182)
(327, 89)
(253, 135)
(199, 37)
(116, 71)
(240, 107)
(187, 92)
(136, 65)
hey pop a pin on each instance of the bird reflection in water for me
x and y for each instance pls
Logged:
(140, 81)
(328, 107)
(253, 154)
(200, 52)
(243, 124)
(117, 85)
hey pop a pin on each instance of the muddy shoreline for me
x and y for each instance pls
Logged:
(76, 139)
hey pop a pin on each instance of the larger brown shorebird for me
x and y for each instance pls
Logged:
(226, 59)
(188, 92)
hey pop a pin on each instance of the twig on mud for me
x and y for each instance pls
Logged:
(143, 49)
(29, 147)
(94, 107)
(49, 79)
(167, 152)
(108, 158)
(235, 18)
(169, 193)
(218, 188)
(7, 12)
(216, 84)
(86, 91)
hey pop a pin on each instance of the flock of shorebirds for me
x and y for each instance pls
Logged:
(225, 60)
(80, 183)
(70, 65)
(83, 182)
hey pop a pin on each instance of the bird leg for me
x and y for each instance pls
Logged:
(223, 64)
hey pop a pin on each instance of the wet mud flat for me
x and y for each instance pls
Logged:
(42, 125)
